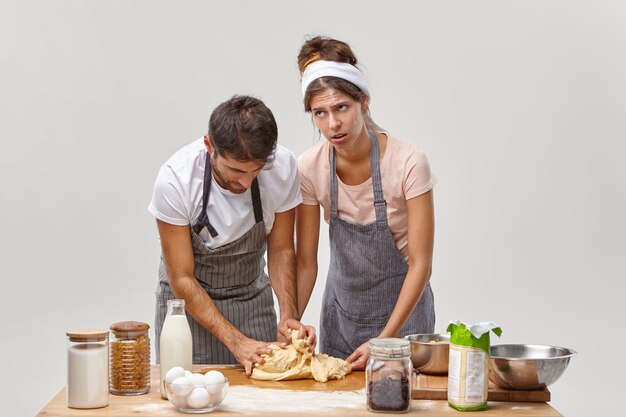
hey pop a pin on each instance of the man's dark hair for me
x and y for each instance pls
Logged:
(244, 128)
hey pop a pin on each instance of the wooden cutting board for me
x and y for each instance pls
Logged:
(352, 382)
(431, 387)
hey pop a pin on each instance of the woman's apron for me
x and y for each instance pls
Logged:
(365, 276)
(233, 276)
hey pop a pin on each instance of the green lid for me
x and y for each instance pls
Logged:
(476, 335)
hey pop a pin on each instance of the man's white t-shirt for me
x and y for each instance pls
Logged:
(177, 195)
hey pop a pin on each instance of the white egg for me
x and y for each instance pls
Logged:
(187, 373)
(199, 398)
(174, 373)
(181, 386)
(196, 379)
(214, 380)
(213, 377)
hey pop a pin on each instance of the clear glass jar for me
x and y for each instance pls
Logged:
(388, 375)
(87, 368)
(130, 358)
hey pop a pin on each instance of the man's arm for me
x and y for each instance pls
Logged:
(178, 257)
(281, 265)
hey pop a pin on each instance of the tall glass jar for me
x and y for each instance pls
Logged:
(130, 358)
(87, 368)
(388, 375)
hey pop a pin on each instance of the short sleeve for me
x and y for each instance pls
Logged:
(306, 185)
(168, 200)
(418, 177)
(293, 197)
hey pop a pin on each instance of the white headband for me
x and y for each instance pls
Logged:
(342, 70)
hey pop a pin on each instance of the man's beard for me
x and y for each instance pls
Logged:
(222, 181)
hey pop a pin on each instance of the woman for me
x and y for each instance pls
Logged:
(376, 192)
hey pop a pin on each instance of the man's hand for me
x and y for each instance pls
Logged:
(306, 332)
(248, 352)
(358, 359)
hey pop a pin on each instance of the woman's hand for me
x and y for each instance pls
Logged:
(358, 359)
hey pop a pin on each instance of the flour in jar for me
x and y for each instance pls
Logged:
(87, 369)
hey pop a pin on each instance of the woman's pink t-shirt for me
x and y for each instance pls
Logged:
(405, 174)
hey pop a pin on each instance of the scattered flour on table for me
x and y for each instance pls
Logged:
(253, 400)
(152, 408)
(427, 405)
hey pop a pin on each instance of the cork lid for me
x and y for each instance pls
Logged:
(87, 335)
(133, 327)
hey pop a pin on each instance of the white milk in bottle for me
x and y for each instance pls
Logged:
(175, 345)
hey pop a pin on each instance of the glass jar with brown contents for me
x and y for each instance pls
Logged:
(129, 361)
(388, 375)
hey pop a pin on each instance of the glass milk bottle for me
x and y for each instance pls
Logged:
(175, 345)
(87, 368)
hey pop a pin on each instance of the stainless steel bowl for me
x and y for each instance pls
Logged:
(527, 367)
(430, 352)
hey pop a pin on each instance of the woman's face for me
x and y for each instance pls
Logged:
(338, 116)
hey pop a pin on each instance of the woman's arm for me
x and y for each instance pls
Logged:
(307, 237)
(421, 231)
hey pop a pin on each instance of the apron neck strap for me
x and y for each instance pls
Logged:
(380, 206)
(256, 201)
(203, 219)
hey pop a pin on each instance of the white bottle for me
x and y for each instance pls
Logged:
(175, 346)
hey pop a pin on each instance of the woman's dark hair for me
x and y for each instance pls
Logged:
(244, 128)
(327, 49)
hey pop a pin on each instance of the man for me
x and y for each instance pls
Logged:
(221, 202)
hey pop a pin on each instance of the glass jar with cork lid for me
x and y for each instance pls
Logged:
(87, 368)
(129, 363)
(388, 375)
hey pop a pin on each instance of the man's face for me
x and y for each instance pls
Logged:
(231, 174)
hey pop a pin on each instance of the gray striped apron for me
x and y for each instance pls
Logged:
(365, 275)
(233, 276)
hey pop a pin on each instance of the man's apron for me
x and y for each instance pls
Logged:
(365, 275)
(233, 276)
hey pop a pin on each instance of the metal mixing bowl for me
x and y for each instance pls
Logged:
(430, 352)
(527, 367)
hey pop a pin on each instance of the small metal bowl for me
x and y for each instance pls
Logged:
(527, 367)
(430, 352)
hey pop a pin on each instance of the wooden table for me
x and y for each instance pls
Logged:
(152, 404)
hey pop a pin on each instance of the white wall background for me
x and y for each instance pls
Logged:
(520, 106)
